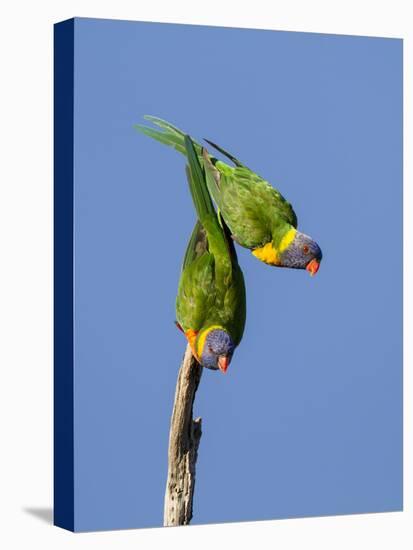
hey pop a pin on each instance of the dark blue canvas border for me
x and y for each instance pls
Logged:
(63, 275)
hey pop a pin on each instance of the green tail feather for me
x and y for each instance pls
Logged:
(225, 153)
(164, 124)
(168, 135)
(196, 178)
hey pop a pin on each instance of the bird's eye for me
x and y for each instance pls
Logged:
(306, 249)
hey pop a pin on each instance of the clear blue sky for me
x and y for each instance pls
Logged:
(308, 419)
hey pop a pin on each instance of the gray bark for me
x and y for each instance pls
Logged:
(184, 436)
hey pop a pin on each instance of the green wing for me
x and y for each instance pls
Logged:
(235, 306)
(200, 300)
(251, 207)
(196, 289)
(197, 245)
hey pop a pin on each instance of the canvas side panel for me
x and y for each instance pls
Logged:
(63, 275)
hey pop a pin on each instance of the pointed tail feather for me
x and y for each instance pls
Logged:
(168, 134)
(162, 137)
(164, 124)
(196, 178)
(225, 153)
(215, 232)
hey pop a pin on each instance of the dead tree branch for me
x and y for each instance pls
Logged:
(184, 436)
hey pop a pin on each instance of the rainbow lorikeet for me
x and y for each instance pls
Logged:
(258, 216)
(210, 305)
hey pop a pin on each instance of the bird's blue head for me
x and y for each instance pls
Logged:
(302, 253)
(215, 348)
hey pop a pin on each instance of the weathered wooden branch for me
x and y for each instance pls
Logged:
(184, 437)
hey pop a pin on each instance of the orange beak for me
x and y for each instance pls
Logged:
(223, 363)
(312, 267)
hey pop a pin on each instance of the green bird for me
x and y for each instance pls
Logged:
(258, 216)
(211, 302)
